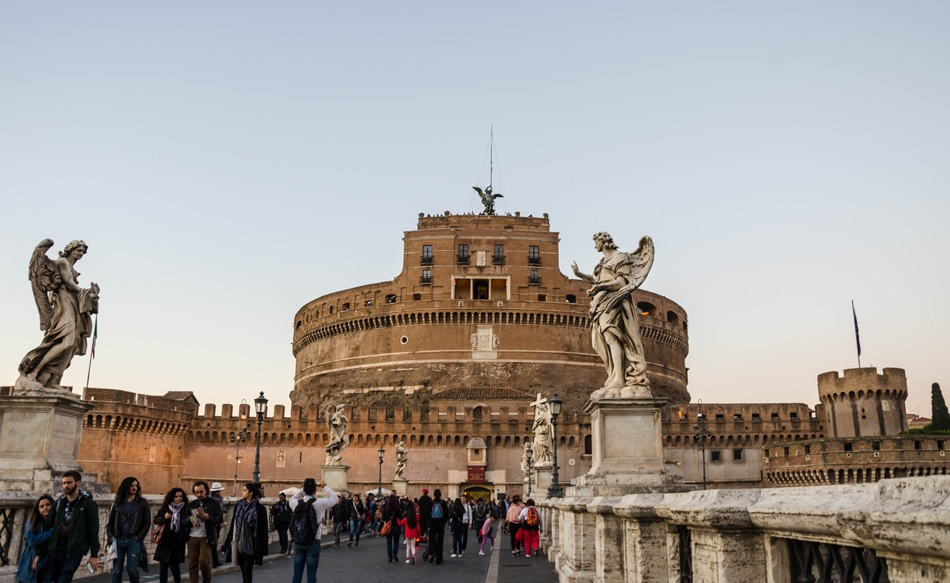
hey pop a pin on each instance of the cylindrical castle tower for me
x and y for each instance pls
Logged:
(864, 403)
(480, 302)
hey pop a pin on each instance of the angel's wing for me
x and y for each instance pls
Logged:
(494, 196)
(640, 262)
(479, 191)
(43, 277)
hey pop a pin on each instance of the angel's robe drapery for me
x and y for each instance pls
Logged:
(619, 321)
(71, 324)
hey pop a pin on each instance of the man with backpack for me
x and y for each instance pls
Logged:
(530, 520)
(305, 527)
(481, 515)
(438, 515)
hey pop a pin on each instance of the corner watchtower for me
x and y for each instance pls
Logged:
(863, 402)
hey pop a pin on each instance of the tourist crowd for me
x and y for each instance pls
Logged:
(61, 531)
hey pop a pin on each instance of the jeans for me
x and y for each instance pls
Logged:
(309, 556)
(164, 568)
(62, 570)
(436, 538)
(282, 535)
(356, 527)
(465, 527)
(392, 541)
(127, 550)
(457, 531)
(337, 529)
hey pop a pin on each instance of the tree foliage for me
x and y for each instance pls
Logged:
(941, 417)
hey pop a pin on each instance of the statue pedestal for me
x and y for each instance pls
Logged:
(39, 440)
(400, 486)
(542, 479)
(335, 477)
(627, 449)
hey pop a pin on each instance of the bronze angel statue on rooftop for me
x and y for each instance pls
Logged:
(65, 316)
(615, 330)
(488, 199)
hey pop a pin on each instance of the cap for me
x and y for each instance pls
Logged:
(425, 490)
(216, 487)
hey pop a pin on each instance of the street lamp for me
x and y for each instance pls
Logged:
(529, 473)
(260, 407)
(379, 486)
(554, 405)
(702, 433)
(237, 440)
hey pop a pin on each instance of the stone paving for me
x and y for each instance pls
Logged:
(367, 564)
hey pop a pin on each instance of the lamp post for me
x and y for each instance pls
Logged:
(702, 433)
(529, 474)
(237, 440)
(260, 407)
(379, 486)
(555, 490)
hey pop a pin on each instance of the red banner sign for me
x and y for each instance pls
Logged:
(476, 474)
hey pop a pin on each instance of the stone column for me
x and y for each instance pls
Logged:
(645, 552)
(608, 540)
(39, 440)
(542, 479)
(400, 486)
(335, 477)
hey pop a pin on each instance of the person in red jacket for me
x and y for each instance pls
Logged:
(411, 530)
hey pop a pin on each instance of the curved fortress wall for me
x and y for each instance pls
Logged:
(480, 302)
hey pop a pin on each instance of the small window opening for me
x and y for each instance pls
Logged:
(737, 455)
(416, 297)
(715, 455)
(542, 297)
(391, 299)
(848, 446)
(570, 298)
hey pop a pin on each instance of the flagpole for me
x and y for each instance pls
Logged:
(92, 351)
(857, 336)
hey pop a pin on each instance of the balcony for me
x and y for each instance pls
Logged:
(498, 260)
(425, 260)
(534, 280)
(425, 280)
(534, 261)
(463, 259)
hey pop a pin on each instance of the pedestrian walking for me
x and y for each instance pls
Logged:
(530, 520)
(74, 522)
(341, 517)
(32, 568)
(438, 515)
(455, 524)
(306, 531)
(392, 512)
(514, 524)
(205, 515)
(486, 533)
(480, 513)
(425, 509)
(129, 522)
(248, 530)
(410, 525)
(468, 518)
(216, 489)
(280, 512)
(374, 514)
(170, 550)
(357, 515)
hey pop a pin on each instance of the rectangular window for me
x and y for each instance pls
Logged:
(426, 255)
(774, 416)
(499, 250)
(785, 451)
(368, 303)
(426, 276)
(737, 416)
(534, 255)
(737, 455)
(542, 297)
(345, 307)
(875, 446)
(463, 255)
(848, 447)
(391, 299)
(719, 417)
(534, 277)
(715, 455)
(570, 298)
(939, 444)
(793, 415)
(918, 444)
(766, 452)
(498, 258)
(756, 417)
(807, 450)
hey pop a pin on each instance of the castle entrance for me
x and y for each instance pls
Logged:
(478, 493)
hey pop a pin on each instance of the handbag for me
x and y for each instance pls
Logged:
(519, 536)
(157, 533)
(246, 544)
(386, 529)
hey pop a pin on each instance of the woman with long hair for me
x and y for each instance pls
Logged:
(458, 527)
(32, 569)
(514, 524)
(411, 530)
(248, 531)
(392, 512)
(170, 550)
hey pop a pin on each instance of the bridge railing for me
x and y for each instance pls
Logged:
(895, 531)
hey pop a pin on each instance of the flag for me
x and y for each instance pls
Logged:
(857, 336)
(95, 334)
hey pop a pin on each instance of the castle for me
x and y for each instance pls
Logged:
(448, 357)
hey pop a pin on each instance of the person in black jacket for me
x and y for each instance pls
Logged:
(170, 550)
(282, 516)
(248, 531)
(392, 512)
(205, 516)
(357, 516)
(340, 518)
(437, 519)
(425, 506)
(129, 522)
(74, 521)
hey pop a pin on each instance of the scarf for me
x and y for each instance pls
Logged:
(246, 513)
(175, 509)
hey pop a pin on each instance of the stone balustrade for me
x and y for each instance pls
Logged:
(895, 530)
(15, 508)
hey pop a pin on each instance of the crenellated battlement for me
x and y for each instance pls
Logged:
(862, 402)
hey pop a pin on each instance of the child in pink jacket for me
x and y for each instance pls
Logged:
(487, 534)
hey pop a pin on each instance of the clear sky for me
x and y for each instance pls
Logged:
(228, 162)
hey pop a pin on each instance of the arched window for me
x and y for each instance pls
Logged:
(477, 414)
(672, 318)
(588, 445)
(646, 309)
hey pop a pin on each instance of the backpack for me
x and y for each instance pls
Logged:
(532, 518)
(480, 512)
(302, 528)
(437, 510)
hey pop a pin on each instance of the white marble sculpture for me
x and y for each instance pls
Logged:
(543, 456)
(615, 331)
(65, 316)
(339, 438)
(526, 461)
(402, 459)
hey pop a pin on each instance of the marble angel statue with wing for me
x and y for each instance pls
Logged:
(339, 438)
(615, 330)
(65, 316)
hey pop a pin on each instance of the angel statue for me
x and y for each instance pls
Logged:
(488, 199)
(402, 459)
(542, 433)
(526, 460)
(615, 331)
(65, 316)
(338, 437)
